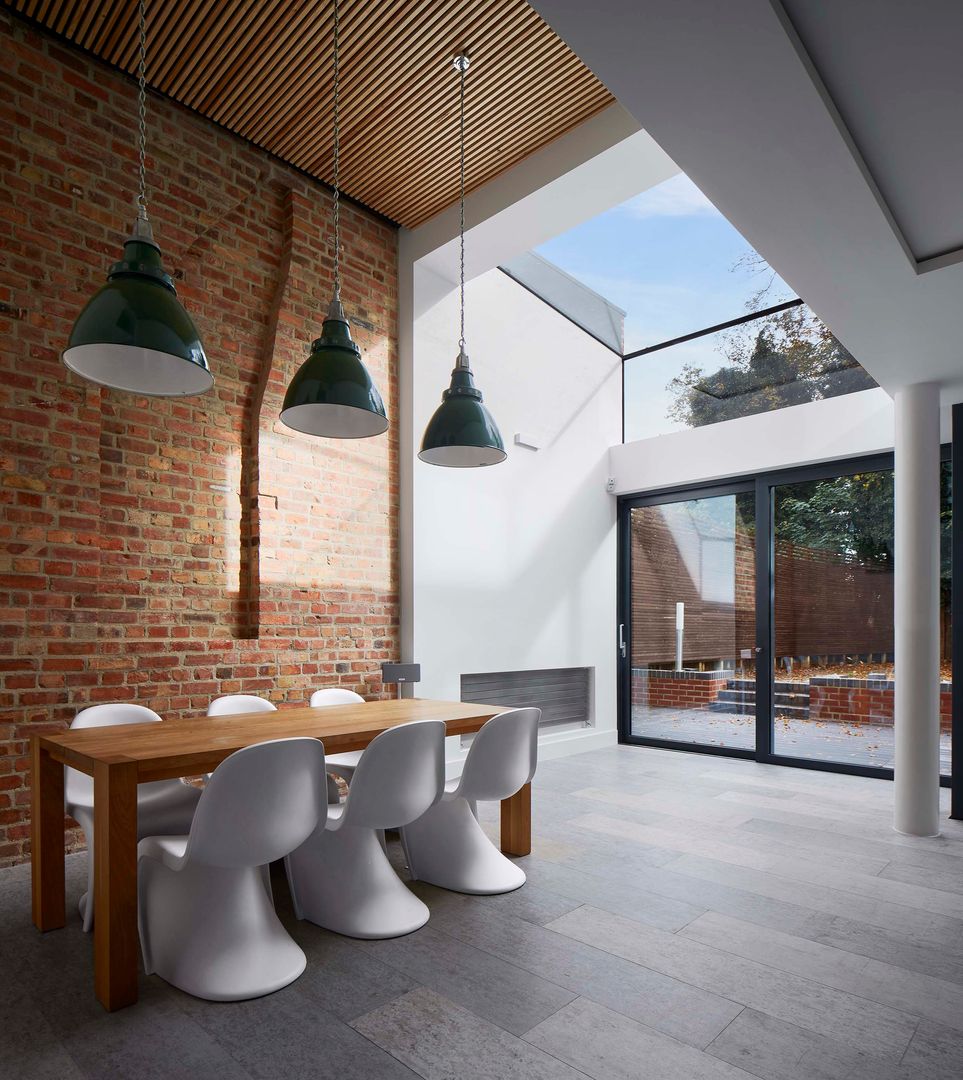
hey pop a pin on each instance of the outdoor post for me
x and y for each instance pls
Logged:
(679, 633)
(917, 609)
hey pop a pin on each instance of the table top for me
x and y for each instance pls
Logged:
(198, 744)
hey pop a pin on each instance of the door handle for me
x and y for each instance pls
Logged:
(622, 640)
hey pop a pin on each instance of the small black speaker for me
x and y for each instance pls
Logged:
(400, 673)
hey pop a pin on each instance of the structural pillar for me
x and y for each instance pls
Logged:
(917, 610)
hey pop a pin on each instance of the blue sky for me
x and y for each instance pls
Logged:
(669, 258)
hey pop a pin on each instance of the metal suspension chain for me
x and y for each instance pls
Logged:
(461, 63)
(337, 159)
(142, 112)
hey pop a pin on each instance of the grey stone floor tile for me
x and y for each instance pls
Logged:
(935, 1052)
(533, 903)
(724, 844)
(492, 988)
(946, 879)
(686, 1012)
(890, 946)
(784, 888)
(708, 828)
(665, 834)
(150, 1044)
(342, 978)
(877, 887)
(901, 946)
(865, 1025)
(620, 897)
(29, 1047)
(921, 995)
(823, 840)
(285, 1035)
(438, 1040)
(608, 1046)
(776, 1050)
(922, 927)
(684, 806)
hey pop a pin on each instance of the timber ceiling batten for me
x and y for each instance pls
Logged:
(262, 68)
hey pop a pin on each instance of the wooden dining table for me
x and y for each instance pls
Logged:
(120, 758)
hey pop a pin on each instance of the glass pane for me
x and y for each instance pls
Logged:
(693, 621)
(670, 261)
(946, 640)
(788, 358)
(833, 615)
(833, 577)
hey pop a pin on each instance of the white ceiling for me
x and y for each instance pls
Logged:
(894, 71)
(832, 140)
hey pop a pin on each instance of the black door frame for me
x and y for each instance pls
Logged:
(626, 504)
(762, 484)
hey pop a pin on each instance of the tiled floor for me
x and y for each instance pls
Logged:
(686, 918)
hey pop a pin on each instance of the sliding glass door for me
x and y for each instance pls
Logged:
(832, 665)
(757, 618)
(691, 629)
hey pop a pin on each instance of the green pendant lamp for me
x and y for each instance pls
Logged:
(462, 434)
(134, 334)
(332, 393)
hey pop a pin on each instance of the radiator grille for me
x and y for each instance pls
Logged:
(563, 694)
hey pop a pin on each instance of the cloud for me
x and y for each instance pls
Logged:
(675, 197)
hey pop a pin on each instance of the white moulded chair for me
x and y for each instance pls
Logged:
(446, 846)
(232, 704)
(206, 918)
(341, 878)
(162, 806)
(342, 764)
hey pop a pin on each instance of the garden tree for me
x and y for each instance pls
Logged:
(787, 358)
(847, 515)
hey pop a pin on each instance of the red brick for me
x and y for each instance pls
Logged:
(125, 576)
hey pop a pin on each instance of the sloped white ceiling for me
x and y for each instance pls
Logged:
(730, 93)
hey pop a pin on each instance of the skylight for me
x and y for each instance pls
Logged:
(671, 261)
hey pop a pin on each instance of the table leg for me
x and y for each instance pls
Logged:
(115, 884)
(47, 839)
(517, 822)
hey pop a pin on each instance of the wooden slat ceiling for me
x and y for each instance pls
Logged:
(262, 68)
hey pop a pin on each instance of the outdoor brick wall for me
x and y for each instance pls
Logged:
(660, 689)
(863, 701)
(168, 551)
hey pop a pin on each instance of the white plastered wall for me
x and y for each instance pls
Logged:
(514, 565)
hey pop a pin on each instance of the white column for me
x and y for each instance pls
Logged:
(917, 608)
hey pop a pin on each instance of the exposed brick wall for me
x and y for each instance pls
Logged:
(864, 701)
(677, 690)
(139, 561)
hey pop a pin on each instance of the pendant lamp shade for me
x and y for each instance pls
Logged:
(332, 393)
(134, 334)
(462, 433)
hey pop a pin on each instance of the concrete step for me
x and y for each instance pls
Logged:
(791, 699)
(737, 696)
(781, 686)
(741, 684)
(792, 712)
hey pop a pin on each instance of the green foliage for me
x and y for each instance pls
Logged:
(784, 359)
(848, 515)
